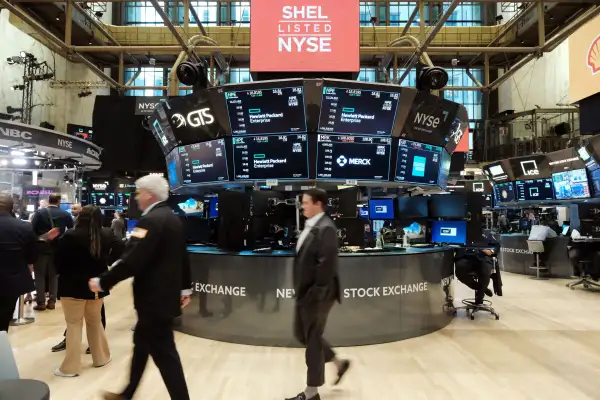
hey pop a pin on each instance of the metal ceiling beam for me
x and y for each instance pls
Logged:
(551, 44)
(173, 30)
(245, 50)
(36, 26)
(429, 38)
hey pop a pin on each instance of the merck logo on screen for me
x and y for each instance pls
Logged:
(311, 35)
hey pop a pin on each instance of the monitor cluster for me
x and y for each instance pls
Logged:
(290, 130)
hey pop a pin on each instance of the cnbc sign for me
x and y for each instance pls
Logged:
(304, 35)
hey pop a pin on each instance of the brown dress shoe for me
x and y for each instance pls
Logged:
(40, 307)
(51, 305)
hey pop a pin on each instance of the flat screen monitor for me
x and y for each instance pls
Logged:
(357, 111)
(448, 206)
(381, 209)
(504, 192)
(80, 131)
(452, 232)
(174, 171)
(363, 212)
(361, 158)
(65, 207)
(534, 189)
(565, 230)
(413, 207)
(418, 163)
(202, 163)
(103, 199)
(595, 179)
(131, 223)
(282, 157)
(213, 210)
(571, 184)
(162, 130)
(191, 207)
(266, 111)
(122, 200)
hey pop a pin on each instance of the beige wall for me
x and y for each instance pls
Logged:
(63, 105)
(585, 61)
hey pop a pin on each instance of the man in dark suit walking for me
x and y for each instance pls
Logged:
(317, 288)
(17, 255)
(156, 257)
(49, 222)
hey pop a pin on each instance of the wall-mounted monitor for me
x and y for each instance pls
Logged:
(499, 171)
(534, 189)
(448, 206)
(103, 199)
(595, 180)
(357, 111)
(381, 208)
(361, 158)
(452, 232)
(282, 157)
(122, 200)
(363, 211)
(571, 184)
(80, 131)
(418, 163)
(266, 111)
(504, 192)
(413, 207)
(199, 163)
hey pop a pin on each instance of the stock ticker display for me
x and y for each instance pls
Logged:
(504, 192)
(199, 163)
(103, 199)
(266, 111)
(534, 189)
(418, 163)
(361, 158)
(270, 157)
(571, 184)
(358, 111)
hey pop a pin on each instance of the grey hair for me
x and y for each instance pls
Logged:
(155, 184)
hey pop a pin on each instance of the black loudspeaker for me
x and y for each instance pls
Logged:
(234, 211)
(475, 204)
(564, 128)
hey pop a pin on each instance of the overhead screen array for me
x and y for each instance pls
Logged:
(299, 130)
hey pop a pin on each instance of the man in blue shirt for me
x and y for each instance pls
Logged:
(48, 224)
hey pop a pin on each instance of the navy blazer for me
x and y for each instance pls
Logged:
(17, 251)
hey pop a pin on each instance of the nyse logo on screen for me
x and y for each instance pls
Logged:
(15, 133)
(194, 119)
(313, 35)
(429, 121)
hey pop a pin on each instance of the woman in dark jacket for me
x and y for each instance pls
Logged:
(83, 253)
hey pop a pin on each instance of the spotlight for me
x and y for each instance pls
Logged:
(17, 153)
(47, 125)
(499, 19)
(17, 87)
(37, 162)
(84, 93)
(15, 60)
(4, 162)
(192, 74)
(373, 20)
(98, 14)
(12, 110)
(19, 161)
(432, 78)
(25, 54)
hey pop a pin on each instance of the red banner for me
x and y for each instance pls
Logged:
(305, 35)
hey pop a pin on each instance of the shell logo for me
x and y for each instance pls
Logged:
(593, 56)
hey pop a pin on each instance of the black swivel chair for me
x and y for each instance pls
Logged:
(471, 307)
(585, 280)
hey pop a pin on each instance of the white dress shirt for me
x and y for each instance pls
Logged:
(308, 225)
(541, 233)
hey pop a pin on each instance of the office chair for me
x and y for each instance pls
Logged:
(585, 279)
(471, 307)
(536, 247)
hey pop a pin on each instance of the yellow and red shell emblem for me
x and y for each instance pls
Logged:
(593, 56)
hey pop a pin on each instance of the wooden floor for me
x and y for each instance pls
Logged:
(546, 345)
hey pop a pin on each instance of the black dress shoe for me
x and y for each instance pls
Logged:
(62, 346)
(489, 293)
(88, 351)
(302, 396)
(342, 370)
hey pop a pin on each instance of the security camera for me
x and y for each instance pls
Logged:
(152, 61)
(454, 62)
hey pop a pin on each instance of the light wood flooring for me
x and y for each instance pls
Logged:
(546, 345)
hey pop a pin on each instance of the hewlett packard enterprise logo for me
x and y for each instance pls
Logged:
(343, 161)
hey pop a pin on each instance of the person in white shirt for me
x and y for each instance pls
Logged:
(542, 232)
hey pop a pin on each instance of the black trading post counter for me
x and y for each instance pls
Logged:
(248, 298)
(515, 256)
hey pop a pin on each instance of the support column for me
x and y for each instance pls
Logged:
(541, 24)
(421, 21)
(121, 76)
(68, 22)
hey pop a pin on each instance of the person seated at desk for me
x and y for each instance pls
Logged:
(541, 233)
(578, 252)
(479, 261)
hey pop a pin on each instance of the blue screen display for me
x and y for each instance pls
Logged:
(595, 175)
(571, 184)
(454, 232)
(214, 208)
(131, 223)
(363, 212)
(381, 208)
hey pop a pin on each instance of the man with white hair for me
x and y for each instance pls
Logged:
(156, 257)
